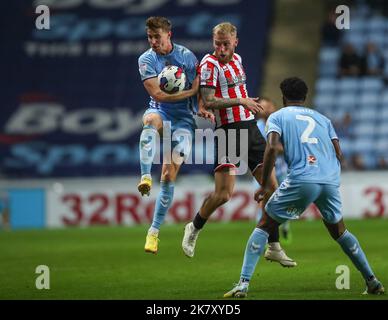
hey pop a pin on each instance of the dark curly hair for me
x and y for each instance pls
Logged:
(294, 89)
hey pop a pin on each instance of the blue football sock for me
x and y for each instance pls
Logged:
(147, 145)
(163, 203)
(254, 249)
(352, 248)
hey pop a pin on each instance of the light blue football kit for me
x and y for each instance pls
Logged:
(314, 176)
(314, 170)
(178, 116)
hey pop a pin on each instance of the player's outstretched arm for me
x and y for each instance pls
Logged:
(212, 102)
(158, 95)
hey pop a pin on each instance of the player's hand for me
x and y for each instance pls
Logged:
(252, 104)
(206, 114)
(259, 194)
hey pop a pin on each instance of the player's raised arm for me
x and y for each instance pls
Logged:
(153, 89)
(213, 102)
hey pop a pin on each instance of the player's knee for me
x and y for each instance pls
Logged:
(267, 227)
(151, 120)
(336, 234)
(168, 176)
(267, 224)
(336, 230)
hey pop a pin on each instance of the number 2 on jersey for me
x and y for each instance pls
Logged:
(305, 137)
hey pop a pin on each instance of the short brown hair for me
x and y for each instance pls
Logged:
(154, 23)
(225, 28)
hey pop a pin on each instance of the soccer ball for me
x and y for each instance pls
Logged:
(172, 79)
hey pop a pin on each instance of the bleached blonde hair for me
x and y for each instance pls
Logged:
(225, 28)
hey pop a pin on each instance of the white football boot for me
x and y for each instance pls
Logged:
(189, 240)
(275, 253)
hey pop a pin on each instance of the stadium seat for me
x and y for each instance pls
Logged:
(384, 98)
(358, 41)
(366, 113)
(370, 100)
(383, 113)
(329, 54)
(323, 101)
(365, 129)
(371, 84)
(348, 84)
(352, 35)
(382, 130)
(328, 69)
(363, 145)
(358, 25)
(326, 85)
(381, 145)
(346, 101)
(375, 24)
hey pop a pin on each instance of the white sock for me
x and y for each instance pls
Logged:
(146, 176)
(153, 230)
(244, 284)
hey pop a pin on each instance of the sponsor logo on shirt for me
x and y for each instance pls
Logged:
(311, 159)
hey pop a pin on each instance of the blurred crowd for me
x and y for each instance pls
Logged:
(360, 57)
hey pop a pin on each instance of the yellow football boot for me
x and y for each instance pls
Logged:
(151, 244)
(239, 291)
(145, 185)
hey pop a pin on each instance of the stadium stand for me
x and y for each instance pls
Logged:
(364, 95)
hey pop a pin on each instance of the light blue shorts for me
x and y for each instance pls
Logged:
(186, 122)
(290, 200)
(182, 130)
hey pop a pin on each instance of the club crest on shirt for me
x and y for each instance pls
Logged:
(206, 74)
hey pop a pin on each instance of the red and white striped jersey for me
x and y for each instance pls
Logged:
(229, 81)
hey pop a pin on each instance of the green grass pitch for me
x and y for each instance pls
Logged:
(109, 263)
